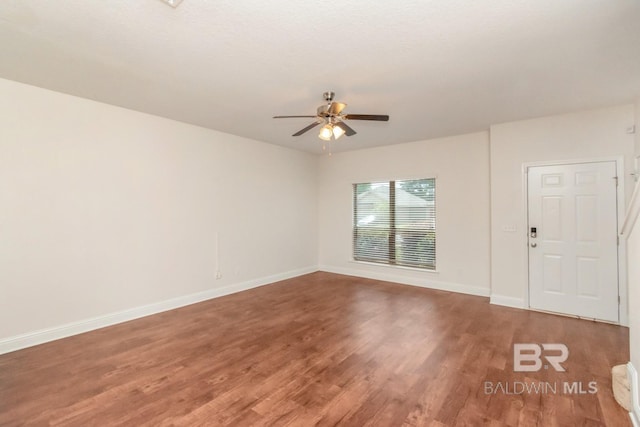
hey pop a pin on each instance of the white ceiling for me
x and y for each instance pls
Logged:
(436, 67)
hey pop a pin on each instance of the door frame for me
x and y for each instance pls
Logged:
(623, 291)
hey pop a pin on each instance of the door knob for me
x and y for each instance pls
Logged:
(533, 245)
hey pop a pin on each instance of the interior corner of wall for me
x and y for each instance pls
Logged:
(507, 301)
(637, 129)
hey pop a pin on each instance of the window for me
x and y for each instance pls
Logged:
(394, 222)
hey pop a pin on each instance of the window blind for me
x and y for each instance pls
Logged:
(394, 222)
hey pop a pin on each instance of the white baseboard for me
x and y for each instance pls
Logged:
(62, 331)
(635, 397)
(423, 283)
(507, 301)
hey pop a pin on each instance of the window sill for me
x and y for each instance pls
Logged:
(395, 267)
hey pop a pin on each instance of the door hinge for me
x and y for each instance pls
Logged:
(618, 239)
(616, 178)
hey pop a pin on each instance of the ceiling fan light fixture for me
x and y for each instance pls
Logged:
(337, 132)
(326, 132)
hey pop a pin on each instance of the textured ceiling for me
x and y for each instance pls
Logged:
(436, 67)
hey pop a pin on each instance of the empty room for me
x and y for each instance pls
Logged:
(357, 213)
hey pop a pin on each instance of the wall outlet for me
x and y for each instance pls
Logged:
(218, 275)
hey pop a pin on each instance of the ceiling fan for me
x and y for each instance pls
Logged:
(332, 116)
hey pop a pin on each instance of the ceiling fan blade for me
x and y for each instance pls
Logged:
(376, 117)
(347, 130)
(289, 117)
(311, 126)
(336, 108)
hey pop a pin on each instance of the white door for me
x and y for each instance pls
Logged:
(573, 232)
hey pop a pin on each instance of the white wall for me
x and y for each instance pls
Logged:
(633, 251)
(461, 166)
(104, 209)
(584, 135)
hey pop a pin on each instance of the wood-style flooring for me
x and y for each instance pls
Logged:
(321, 349)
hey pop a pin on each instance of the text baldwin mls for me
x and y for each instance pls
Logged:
(521, 387)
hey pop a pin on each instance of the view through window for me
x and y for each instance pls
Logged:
(394, 222)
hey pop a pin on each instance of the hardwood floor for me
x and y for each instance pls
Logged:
(321, 349)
